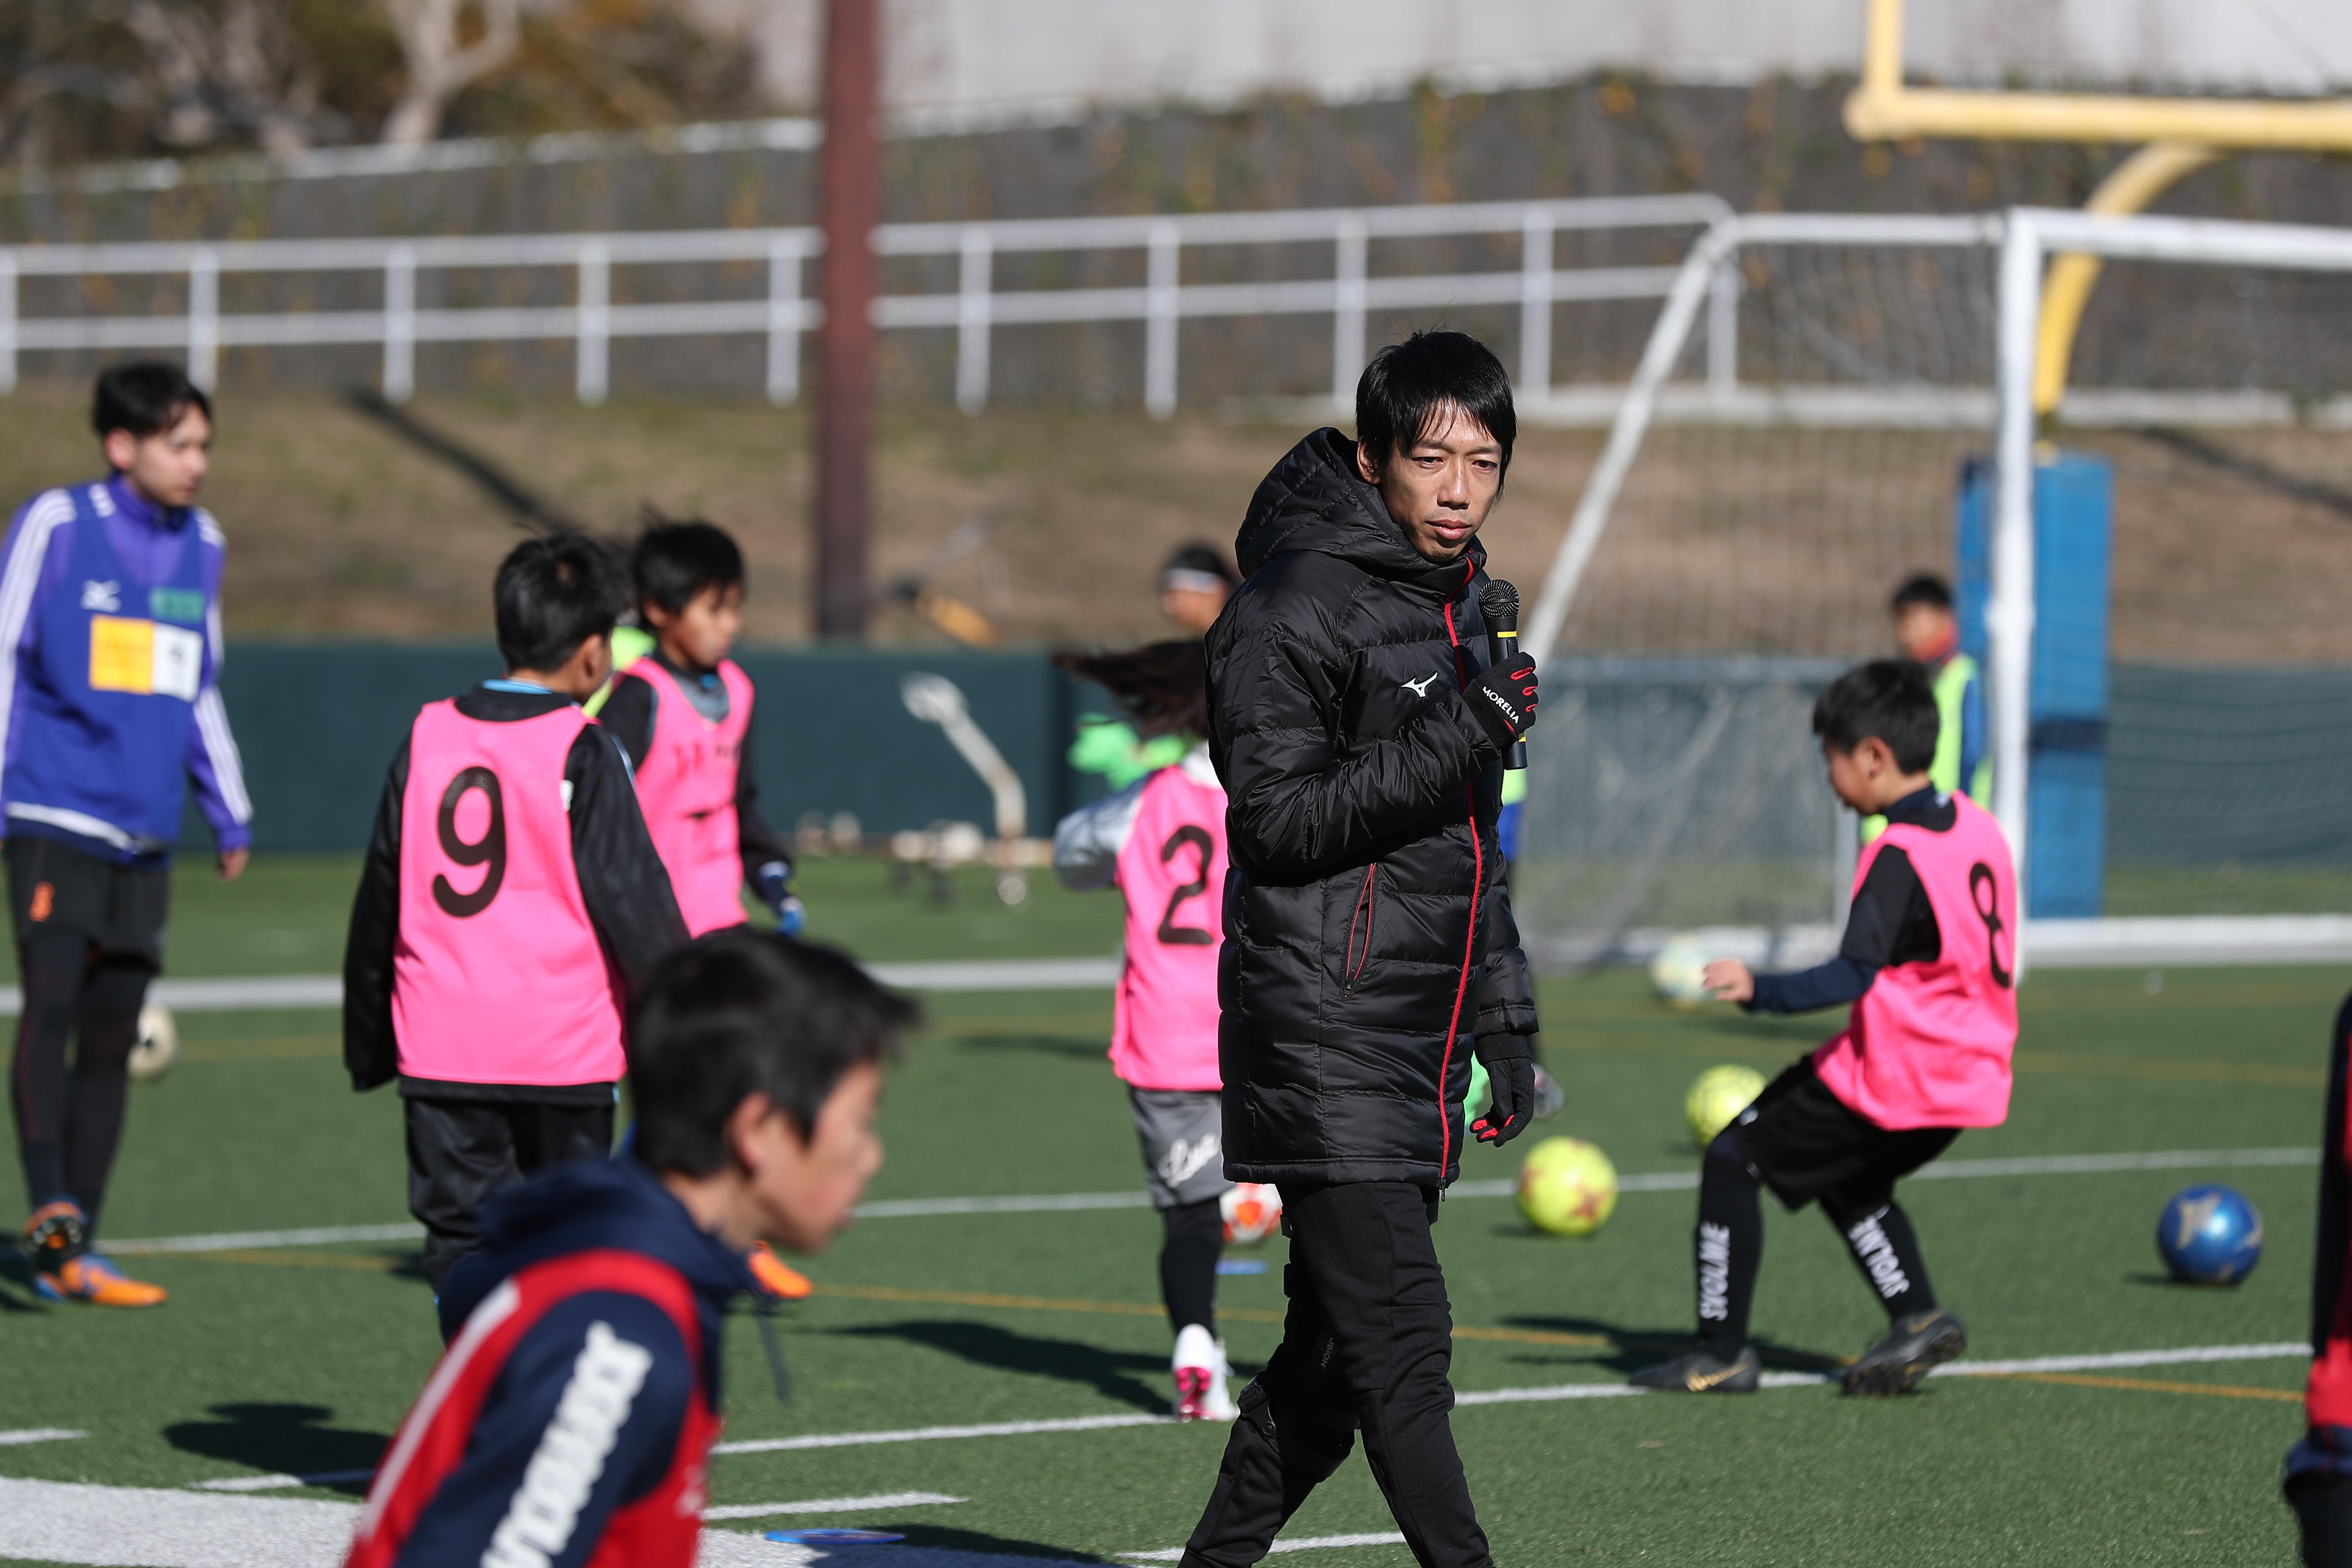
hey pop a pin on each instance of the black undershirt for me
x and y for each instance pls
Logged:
(1890, 923)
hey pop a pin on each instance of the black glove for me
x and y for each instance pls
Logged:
(1504, 698)
(1511, 1063)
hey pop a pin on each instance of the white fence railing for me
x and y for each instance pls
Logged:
(974, 310)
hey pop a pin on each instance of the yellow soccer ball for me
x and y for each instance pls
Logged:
(1567, 1187)
(1718, 1097)
(1675, 971)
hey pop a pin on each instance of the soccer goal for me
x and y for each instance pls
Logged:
(2152, 582)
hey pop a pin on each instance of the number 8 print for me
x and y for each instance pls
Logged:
(491, 848)
(1988, 909)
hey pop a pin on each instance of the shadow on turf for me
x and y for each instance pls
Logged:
(1631, 1349)
(281, 1439)
(973, 1541)
(1111, 1373)
(18, 1274)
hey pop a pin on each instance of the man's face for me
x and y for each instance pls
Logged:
(804, 1190)
(167, 467)
(1439, 489)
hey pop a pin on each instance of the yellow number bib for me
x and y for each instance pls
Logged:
(137, 656)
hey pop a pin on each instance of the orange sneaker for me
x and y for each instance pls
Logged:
(94, 1279)
(776, 1276)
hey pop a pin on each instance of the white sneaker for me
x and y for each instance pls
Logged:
(1199, 1367)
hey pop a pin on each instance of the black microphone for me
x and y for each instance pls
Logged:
(1499, 603)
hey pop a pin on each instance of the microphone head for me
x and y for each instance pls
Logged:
(1499, 603)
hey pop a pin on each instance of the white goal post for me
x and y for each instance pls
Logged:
(2021, 241)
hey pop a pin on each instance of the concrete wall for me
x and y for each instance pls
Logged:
(983, 58)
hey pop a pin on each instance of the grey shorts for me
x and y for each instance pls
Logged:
(1182, 1134)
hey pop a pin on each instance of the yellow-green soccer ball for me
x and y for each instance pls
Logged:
(1567, 1187)
(1717, 1098)
(1675, 970)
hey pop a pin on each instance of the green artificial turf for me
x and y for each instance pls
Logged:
(302, 1359)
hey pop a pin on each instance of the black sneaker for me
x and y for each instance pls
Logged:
(1896, 1364)
(1699, 1371)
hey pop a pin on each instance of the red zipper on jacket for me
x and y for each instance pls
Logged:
(1477, 885)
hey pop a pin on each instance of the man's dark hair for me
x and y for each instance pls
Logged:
(1927, 588)
(676, 559)
(741, 1012)
(1892, 698)
(1163, 685)
(1205, 558)
(145, 397)
(1409, 388)
(553, 594)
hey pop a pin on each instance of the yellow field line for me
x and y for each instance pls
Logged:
(383, 1263)
(2150, 1385)
(2062, 1064)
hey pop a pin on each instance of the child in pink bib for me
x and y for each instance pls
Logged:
(683, 712)
(510, 906)
(1927, 968)
(1161, 842)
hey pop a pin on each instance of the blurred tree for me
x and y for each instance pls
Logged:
(443, 58)
(82, 79)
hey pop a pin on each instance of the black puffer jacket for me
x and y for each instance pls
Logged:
(1368, 923)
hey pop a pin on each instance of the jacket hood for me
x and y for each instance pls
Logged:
(589, 1203)
(1313, 500)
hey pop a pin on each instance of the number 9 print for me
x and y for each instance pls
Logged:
(489, 850)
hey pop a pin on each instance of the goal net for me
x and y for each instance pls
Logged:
(2167, 674)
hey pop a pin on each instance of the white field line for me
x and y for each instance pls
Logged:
(932, 1433)
(38, 1434)
(1308, 1544)
(136, 1527)
(279, 1483)
(831, 1505)
(239, 1240)
(278, 993)
(1063, 1203)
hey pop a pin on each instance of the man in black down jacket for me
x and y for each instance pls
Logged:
(1368, 942)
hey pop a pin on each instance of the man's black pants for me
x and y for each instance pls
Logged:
(460, 1152)
(1367, 1342)
(90, 936)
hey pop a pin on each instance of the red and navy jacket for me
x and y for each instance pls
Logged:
(571, 1418)
(2327, 1445)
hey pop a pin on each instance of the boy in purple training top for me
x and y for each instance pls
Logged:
(1926, 964)
(110, 652)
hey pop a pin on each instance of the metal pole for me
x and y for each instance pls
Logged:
(7, 322)
(1723, 329)
(1348, 303)
(971, 320)
(850, 197)
(2009, 617)
(591, 368)
(204, 318)
(1535, 305)
(1163, 308)
(400, 325)
(783, 324)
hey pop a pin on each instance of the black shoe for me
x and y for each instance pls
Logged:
(1699, 1371)
(1896, 1364)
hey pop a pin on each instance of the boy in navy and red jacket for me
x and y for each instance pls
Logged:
(2319, 1467)
(511, 904)
(109, 656)
(571, 1418)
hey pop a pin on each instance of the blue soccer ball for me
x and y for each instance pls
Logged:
(2210, 1236)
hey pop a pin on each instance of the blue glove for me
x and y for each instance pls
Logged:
(774, 885)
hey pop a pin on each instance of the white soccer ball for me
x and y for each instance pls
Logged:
(158, 1045)
(1675, 972)
(1253, 1212)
